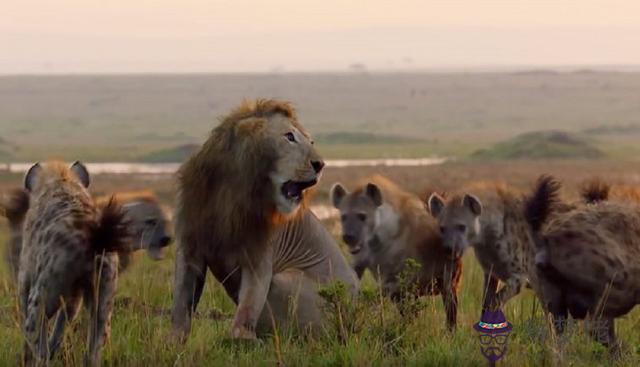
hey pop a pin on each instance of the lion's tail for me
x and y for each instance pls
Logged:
(111, 231)
(15, 205)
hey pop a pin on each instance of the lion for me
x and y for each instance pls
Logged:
(241, 213)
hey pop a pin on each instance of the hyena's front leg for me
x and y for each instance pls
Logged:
(68, 313)
(509, 290)
(451, 277)
(189, 281)
(101, 305)
(489, 291)
(254, 287)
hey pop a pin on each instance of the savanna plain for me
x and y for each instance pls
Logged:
(458, 116)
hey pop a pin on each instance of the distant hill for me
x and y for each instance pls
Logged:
(541, 145)
(171, 155)
(346, 137)
(620, 129)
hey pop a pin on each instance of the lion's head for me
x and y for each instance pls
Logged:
(268, 131)
(252, 172)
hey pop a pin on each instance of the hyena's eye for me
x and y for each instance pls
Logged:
(461, 227)
(442, 229)
(290, 137)
(362, 217)
(151, 222)
(343, 217)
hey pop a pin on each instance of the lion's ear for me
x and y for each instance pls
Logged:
(374, 193)
(337, 194)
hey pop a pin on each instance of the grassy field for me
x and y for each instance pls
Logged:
(121, 118)
(381, 336)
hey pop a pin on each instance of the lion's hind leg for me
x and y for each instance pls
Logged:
(293, 304)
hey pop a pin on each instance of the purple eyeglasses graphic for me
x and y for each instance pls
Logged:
(494, 331)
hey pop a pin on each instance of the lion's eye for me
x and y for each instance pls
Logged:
(290, 137)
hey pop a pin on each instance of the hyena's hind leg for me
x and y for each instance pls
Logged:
(66, 314)
(602, 330)
(42, 303)
(100, 304)
(24, 290)
(553, 300)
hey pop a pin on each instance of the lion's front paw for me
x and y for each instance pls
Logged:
(241, 332)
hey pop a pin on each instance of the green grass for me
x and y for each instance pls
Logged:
(140, 331)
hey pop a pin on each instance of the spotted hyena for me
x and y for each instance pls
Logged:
(149, 225)
(383, 227)
(69, 254)
(499, 231)
(587, 262)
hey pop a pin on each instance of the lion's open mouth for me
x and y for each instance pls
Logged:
(355, 249)
(292, 190)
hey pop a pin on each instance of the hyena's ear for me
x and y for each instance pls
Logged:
(337, 194)
(435, 204)
(374, 193)
(81, 172)
(473, 203)
(31, 176)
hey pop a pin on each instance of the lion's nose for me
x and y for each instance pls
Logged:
(317, 166)
(349, 239)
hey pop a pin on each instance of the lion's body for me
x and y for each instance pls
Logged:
(240, 212)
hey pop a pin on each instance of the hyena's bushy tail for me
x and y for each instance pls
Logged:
(111, 232)
(14, 206)
(594, 191)
(538, 207)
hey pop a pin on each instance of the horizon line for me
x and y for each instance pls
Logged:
(455, 69)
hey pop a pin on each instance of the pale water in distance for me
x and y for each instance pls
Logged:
(170, 168)
(321, 211)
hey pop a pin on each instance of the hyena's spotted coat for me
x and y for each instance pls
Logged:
(499, 230)
(68, 254)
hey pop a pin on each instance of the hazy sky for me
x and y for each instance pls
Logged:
(64, 36)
